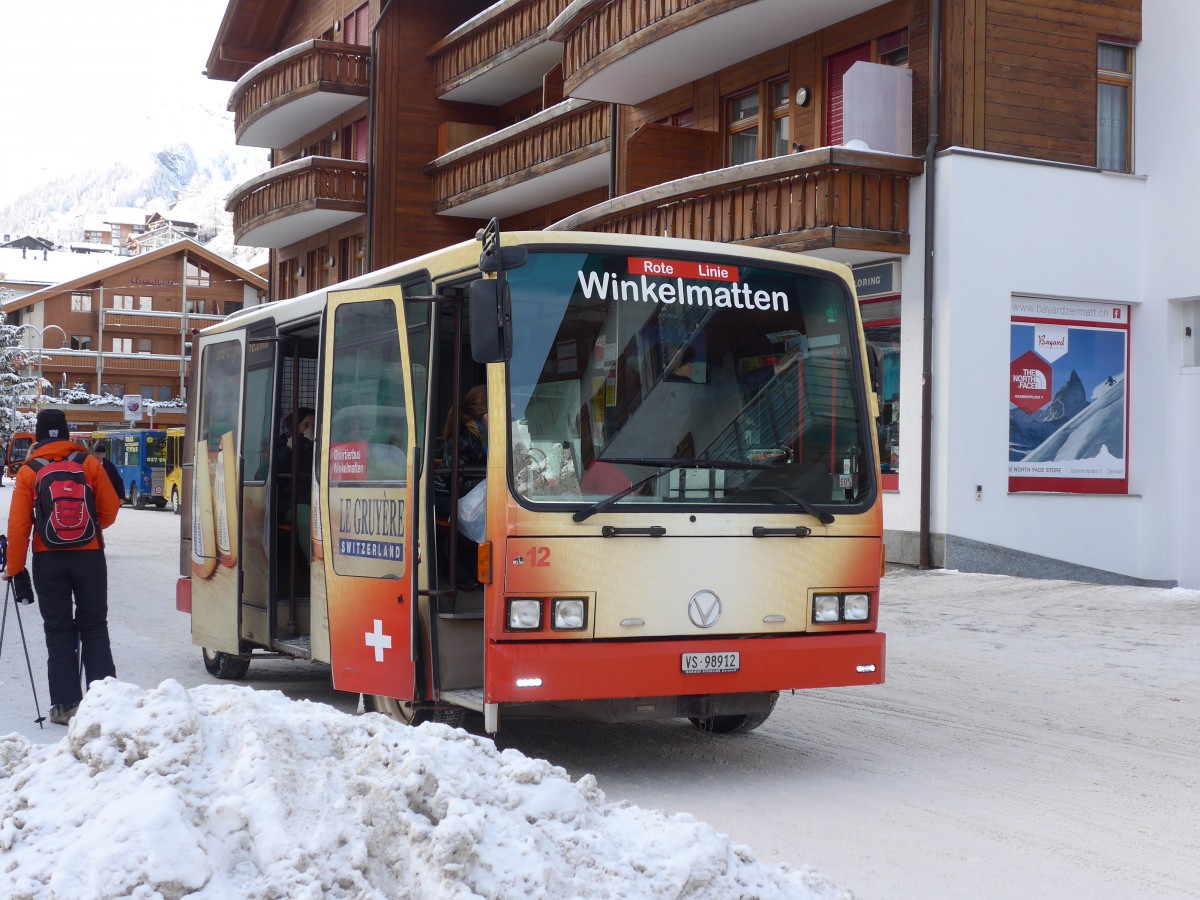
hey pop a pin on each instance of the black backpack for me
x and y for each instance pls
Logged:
(64, 505)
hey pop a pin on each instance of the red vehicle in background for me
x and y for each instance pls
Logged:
(17, 452)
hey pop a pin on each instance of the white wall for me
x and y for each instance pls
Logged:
(1008, 226)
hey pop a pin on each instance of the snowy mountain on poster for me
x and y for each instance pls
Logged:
(1097, 433)
(1028, 431)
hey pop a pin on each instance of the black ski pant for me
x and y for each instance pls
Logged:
(72, 591)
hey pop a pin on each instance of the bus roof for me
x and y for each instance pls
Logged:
(464, 256)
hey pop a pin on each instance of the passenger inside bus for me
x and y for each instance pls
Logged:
(296, 484)
(471, 452)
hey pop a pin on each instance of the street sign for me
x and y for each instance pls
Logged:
(133, 407)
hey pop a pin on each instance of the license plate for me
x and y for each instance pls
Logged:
(711, 663)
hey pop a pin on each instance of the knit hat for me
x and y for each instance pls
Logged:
(52, 423)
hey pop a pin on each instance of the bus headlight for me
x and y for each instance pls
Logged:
(826, 607)
(569, 614)
(524, 614)
(857, 607)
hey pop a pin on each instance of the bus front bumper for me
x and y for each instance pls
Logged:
(526, 672)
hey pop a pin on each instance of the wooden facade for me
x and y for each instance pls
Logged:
(1018, 77)
(127, 328)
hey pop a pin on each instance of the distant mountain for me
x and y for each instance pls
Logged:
(1027, 431)
(1096, 433)
(179, 181)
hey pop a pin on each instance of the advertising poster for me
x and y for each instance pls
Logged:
(1068, 405)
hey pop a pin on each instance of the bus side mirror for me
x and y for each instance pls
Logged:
(491, 321)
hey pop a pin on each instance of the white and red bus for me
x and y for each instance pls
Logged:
(681, 483)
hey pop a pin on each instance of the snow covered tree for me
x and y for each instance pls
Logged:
(16, 388)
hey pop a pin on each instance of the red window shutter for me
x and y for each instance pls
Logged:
(838, 65)
(360, 140)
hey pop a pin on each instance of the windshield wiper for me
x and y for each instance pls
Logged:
(825, 518)
(665, 465)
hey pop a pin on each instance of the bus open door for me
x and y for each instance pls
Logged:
(366, 472)
(215, 507)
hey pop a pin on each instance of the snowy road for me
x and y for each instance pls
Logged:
(1033, 738)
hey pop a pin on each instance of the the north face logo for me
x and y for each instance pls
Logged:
(64, 507)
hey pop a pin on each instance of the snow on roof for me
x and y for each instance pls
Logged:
(227, 791)
(51, 267)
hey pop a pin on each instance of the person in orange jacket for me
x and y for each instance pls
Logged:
(71, 583)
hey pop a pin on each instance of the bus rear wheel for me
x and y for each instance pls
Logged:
(409, 713)
(734, 724)
(226, 666)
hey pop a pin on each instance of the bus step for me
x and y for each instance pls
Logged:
(462, 614)
(299, 646)
(468, 698)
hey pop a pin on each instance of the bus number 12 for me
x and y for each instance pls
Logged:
(538, 556)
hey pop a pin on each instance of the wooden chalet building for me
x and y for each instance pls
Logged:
(125, 327)
(969, 158)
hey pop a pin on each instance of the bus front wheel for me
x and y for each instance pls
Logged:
(175, 500)
(136, 498)
(409, 713)
(160, 502)
(734, 724)
(226, 666)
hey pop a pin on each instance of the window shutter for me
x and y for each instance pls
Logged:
(838, 65)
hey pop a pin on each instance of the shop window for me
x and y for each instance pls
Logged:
(1068, 412)
(1114, 108)
(758, 123)
(881, 322)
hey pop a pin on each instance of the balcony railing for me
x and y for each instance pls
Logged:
(831, 197)
(614, 50)
(498, 55)
(297, 91)
(558, 153)
(297, 200)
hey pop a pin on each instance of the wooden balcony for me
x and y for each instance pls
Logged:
(140, 363)
(71, 361)
(616, 50)
(147, 321)
(556, 154)
(498, 55)
(297, 200)
(829, 198)
(297, 91)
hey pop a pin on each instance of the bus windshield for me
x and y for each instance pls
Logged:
(688, 382)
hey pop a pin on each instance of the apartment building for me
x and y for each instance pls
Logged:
(125, 326)
(1004, 177)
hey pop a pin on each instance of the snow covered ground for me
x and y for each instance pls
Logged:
(1033, 738)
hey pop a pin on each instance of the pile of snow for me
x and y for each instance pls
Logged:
(224, 791)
